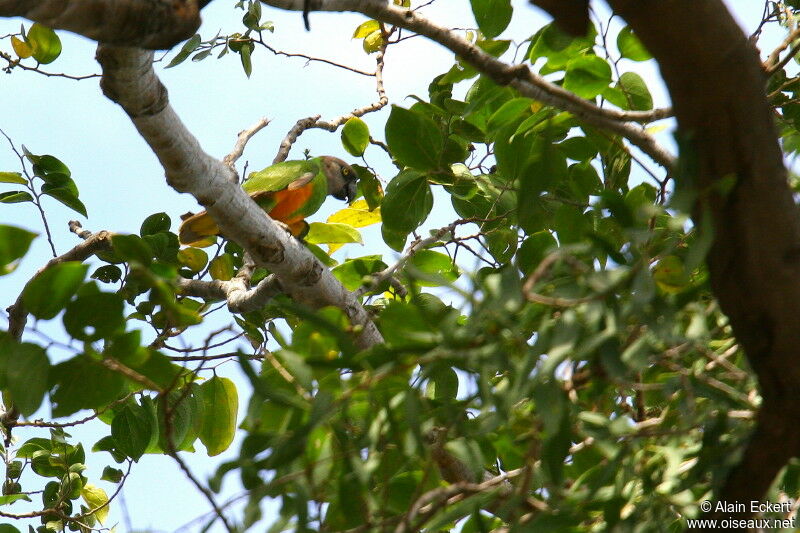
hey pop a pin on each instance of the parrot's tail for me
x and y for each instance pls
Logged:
(196, 228)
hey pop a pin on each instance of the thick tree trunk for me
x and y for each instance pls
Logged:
(152, 24)
(732, 160)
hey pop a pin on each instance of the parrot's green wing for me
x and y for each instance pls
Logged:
(280, 175)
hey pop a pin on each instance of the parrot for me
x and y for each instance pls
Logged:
(288, 191)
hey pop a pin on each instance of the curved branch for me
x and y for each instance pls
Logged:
(152, 24)
(239, 297)
(18, 315)
(332, 125)
(129, 80)
(519, 76)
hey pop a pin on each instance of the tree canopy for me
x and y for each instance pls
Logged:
(565, 321)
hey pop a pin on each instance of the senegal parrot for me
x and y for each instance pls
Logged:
(288, 191)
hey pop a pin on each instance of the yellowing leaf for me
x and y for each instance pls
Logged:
(97, 501)
(193, 258)
(652, 130)
(670, 275)
(356, 215)
(46, 44)
(221, 267)
(325, 233)
(22, 49)
(366, 28)
(220, 408)
(373, 42)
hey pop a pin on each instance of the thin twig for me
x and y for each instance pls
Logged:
(242, 140)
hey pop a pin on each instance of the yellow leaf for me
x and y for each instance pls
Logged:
(373, 42)
(221, 267)
(356, 215)
(22, 49)
(97, 500)
(652, 130)
(366, 28)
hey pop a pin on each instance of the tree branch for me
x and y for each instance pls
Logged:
(314, 122)
(129, 80)
(18, 315)
(518, 76)
(152, 24)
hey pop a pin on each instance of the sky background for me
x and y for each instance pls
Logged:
(121, 182)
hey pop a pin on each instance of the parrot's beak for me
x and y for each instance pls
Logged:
(350, 192)
(347, 192)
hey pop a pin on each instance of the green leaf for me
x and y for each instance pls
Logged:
(570, 223)
(46, 165)
(578, 148)
(132, 429)
(107, 274)
(508, 112)
(534, 249)
(193, 258)
(155, 223)
(132, 248)
(514, 152)
(355, 136)
(244, 55)
(30, 446)
(404, 326)
(437, 267)
(559, 47)
(635, 88)
(67, 197)
(15, 197)
(630, 46)
(351, 273)
(407, 203)
(5, 500)
(179, 405)
(12, 177)
(92, 317)
(48, 293)
(220, 404)
(414, 139)
(114, 475)
(27, 373)
(332, 233)
(83, 383)
(587, 76)
(187, 48)
(396, 240)
(492, 16)
(14, 244)
(45, 43)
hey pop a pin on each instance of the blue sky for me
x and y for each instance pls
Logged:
(121, 182)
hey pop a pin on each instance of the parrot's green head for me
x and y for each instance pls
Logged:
(341, 178)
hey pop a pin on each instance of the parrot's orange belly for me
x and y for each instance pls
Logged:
(289, 204)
